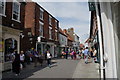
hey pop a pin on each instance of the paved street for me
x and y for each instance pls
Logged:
(61, 68)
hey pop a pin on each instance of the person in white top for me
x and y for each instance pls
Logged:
(49, 56)
(94, 54)
(22, 58)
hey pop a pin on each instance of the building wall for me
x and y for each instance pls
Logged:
(30, 16)
(11, 30)
(62, 40)
(109, 46)
(70, 31)
(7, 19)
(116, 23)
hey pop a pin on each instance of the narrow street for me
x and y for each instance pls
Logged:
(61, 68)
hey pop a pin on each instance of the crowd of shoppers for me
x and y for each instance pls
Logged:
(85, 53)
(20, 60)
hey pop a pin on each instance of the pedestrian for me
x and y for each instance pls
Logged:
(94, 55)
(71, 54)
(35, 57)
(16, 63)
(86, 52)
(48, 58)
(32, 55)
(83, 53)
(63, 54)
(77, 54)
(66, 56)
(28, 55)
(22, 59)
(40, 58)
(74, 54)
(12, 59)
(80, 54)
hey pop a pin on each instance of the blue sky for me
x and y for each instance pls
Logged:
(70, 14)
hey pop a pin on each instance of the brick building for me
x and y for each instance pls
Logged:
(69, 41)
(11, 24)
(41, 29)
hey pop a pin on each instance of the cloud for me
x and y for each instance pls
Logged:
(67, 9)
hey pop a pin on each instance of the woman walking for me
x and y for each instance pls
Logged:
(16, 63)
(48, 57)
(22, 59)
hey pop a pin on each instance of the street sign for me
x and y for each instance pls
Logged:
(91, 6)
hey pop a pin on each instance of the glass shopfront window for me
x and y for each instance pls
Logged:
(10, 46)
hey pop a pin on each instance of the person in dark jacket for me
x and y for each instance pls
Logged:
(66, 55)
(16, 63)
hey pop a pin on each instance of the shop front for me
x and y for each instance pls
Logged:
(11, 41)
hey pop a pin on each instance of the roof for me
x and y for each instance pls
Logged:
(68, 36)
(62, 32)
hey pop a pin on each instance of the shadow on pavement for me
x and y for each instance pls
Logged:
(25, 72)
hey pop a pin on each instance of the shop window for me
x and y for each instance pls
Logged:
(10, 46)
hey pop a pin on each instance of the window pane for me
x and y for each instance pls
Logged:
(16, 11)
(1, 7)
(41, 14)
(15, 16)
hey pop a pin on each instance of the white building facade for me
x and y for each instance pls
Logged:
(108, 18)
(63, 42)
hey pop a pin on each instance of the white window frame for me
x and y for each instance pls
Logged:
(41, 28)
(50, 20)
(41, 13)
(18, 11)
(50, 32)
(56, 35)
(56, 25)
(4, 9)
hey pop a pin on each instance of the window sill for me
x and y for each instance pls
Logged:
(50, 39)
(16, 20)
(3, 15)
(41, 19)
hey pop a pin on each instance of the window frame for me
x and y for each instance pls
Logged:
(15, 1)
(50, 20)
(56, 24)
(50, 31)
(41, 11)
(41, 28)
(56, 36)
(3, 14)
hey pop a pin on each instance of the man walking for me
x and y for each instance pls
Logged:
(86, 52)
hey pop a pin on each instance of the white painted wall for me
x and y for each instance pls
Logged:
(62, 40)
(109, 45)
